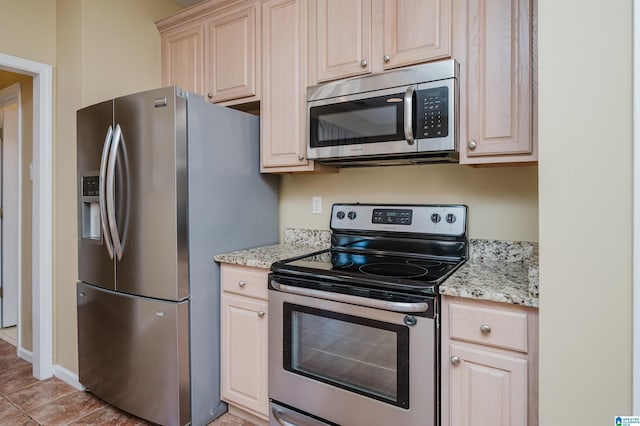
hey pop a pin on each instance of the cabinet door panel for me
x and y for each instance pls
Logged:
(182, 59)
(231, 48)
(283, 108)
(499, 95)
(487, 388)
(343, 38)
(416, 31)
(244, 353)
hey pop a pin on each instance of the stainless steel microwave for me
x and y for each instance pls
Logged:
(404, 116)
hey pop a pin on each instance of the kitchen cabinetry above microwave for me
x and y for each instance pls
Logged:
(213, 49)
(355, 37)
(496, 45)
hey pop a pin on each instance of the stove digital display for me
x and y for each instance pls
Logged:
(392, 216)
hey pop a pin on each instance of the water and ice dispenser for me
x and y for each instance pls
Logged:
(91, 208)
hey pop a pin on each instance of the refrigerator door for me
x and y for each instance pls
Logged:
(151, 195)
(133, 353)
(95, 256)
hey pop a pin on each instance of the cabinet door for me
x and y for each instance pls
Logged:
(341, 40)
(415, 31)
(487, 387)
(232, 54)
(283, 108)
(243, 355)
(182, 59)
(498, 83)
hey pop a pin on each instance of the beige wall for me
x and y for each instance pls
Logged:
(503, 202)
(26, 96)
(585, 189)
(28, 29)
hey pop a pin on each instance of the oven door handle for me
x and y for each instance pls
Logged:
(290, 418)
(404, 307)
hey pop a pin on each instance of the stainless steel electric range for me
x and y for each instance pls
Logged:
(354, 329)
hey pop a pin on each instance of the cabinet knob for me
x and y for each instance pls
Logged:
(209, 95)
(485, 329)
(242, 283)
(472, 144)
(363, 63)
(386, 58)
(261, 314)
(455, 360)
(300, 157)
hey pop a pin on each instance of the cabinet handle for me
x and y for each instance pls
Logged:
(261, 314)
(485, 329)
(209, 95)
(363, 63)
(300, 157)
(386, 58)
(472, 144)
(455, 360)
(242, 284)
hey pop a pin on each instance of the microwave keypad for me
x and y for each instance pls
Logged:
(434, 120)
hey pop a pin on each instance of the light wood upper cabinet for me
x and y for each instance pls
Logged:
(232, 52)
(213, 48)
(283, 108)
(182, 58)
(489, 363)
(496, 50)
(353, 37)
(415, 31)
(340, 36)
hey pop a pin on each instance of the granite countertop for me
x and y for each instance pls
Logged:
(499, 271)
(297, 242)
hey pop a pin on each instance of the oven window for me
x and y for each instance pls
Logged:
(377, 119)
(361, 355)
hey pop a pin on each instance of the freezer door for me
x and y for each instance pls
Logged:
(151, 195)
(133, 353)
(95, 262)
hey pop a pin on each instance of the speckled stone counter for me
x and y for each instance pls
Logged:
(297, 242)
(499, 271)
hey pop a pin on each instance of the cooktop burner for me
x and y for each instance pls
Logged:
(371, 248)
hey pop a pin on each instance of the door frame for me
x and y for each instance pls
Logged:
(8, 96)
(42, 210)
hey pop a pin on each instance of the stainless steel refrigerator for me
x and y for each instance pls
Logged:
(165, 181)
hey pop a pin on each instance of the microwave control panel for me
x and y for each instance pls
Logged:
(433, 113)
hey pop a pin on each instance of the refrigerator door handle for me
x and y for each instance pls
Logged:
(102, 191)
(111, 204)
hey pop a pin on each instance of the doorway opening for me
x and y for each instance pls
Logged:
(10, 212)
(42, 210)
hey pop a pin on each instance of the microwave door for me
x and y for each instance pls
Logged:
(365, 124)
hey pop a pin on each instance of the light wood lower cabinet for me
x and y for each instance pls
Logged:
(244, 339)
(489, 364)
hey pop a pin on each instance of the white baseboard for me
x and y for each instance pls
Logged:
(67, 376)
(25, 355)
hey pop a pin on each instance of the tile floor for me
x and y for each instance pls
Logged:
(24, 400)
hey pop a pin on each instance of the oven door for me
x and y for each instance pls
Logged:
(349, 364)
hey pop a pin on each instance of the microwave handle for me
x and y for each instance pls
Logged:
(408, 115)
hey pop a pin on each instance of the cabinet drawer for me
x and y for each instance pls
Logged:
(488, 326)
(244, 280)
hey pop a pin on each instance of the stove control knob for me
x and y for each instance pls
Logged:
(451, 218)
(351, 215)
(435, 218)
(340, 214)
